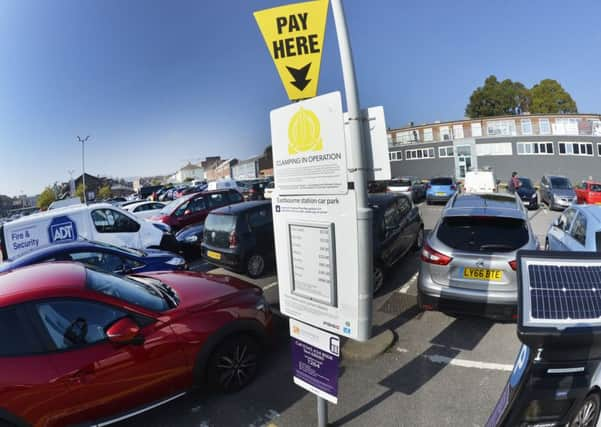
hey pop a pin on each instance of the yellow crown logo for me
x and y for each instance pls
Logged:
(304, 132)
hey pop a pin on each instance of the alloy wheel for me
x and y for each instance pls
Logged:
(256, 265)
(378, 279)
(587, 414)
(236, 367)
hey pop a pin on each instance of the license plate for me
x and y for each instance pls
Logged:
(440, 194)
(482, 274)
(214, 255)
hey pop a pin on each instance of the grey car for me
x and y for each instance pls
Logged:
(468, 262)
(557, 192)
(577, 229)
(409, 185)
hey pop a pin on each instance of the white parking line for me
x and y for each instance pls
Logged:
(271, 285)
(436, 358)
(405, 287)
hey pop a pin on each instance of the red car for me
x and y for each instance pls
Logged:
(80, 346)
(194, 208)
(589, 192)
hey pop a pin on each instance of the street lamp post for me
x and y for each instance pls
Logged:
(83, 166)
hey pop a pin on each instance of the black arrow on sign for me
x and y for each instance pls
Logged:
(300, 76)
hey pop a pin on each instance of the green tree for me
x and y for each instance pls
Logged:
(549, 97)
(48, 196)
(105, 193)
(79, 191)
(496, 98)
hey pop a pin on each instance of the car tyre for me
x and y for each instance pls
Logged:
(234, 363)
(419, 239)
(255, 266)
(588, 413)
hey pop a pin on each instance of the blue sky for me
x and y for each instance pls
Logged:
(158, 83)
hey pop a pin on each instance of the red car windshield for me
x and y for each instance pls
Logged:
(136, 292)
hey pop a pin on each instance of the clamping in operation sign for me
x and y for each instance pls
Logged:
(315, 218)
(294, 35)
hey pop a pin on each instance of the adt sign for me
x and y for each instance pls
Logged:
(62, 229)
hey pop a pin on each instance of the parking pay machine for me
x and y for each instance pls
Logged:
(555, 380)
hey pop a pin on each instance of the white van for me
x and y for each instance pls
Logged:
(226, 184)
(100, 222)
(479, 182)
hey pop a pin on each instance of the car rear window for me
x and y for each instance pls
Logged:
(484, 234)
(217, 222)
(441, 181)
(400, 183)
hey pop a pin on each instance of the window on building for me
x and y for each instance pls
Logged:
(526, 127)
(395, 155)
(458, 131)
(404, 137)
(496, 149)
(428, 135)
(500, 128)
(564, 126)
(544, 128)
(445, 151)
(419, 153)
(445, 134)
(599, 150)
(476, 129)
(525, 148)
(575, 148)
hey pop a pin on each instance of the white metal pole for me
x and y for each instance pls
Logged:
(358, 169)
(83, 172)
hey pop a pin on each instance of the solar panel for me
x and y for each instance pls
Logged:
(558, 292)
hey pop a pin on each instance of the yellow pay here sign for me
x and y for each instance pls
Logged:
(294, 36)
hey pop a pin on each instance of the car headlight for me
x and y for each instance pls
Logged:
(556, 197)
(533, 195)
(176, 261)
(191, 239)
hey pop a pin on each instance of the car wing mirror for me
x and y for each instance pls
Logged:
(124, 331)
(187, 212)
(556, 222)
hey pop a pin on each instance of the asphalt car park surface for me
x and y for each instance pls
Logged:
(441, 370)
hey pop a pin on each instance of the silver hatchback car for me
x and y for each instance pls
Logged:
(468, 262)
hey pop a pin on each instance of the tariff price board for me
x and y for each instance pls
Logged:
(315, 360)
(317, 253)
(294, 36)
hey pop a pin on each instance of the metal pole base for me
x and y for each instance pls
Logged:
(322, 412)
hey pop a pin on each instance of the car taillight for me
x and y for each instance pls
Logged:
(513, 264)
(432, 256)
(233, 240)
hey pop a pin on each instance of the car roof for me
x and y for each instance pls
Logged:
(136, 204)
(61, 211)
(67, 246)
(474, 204)
(240, 207)
(41, 281)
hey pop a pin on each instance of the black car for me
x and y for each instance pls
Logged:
(255, 190)
(240, 237)
(527, 193)
(397, 228)
(189, 239)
